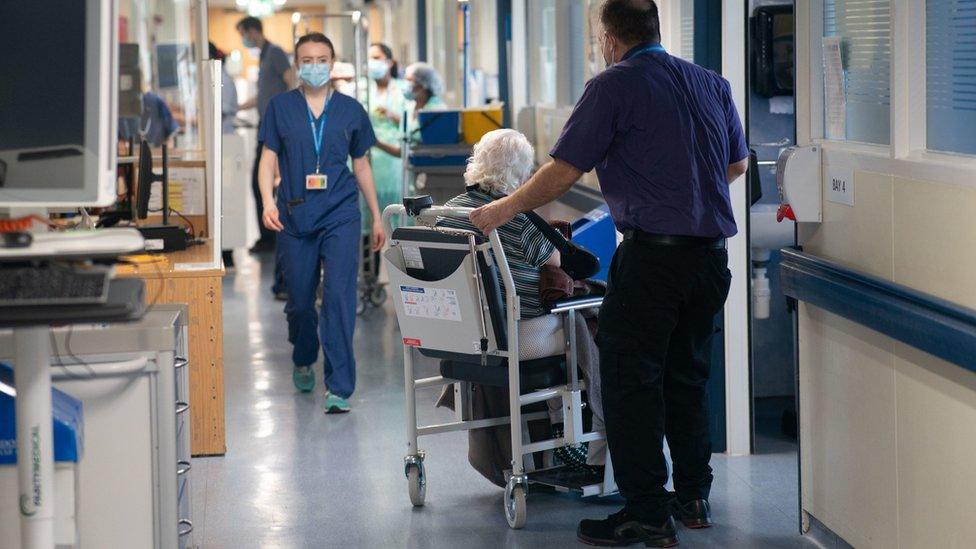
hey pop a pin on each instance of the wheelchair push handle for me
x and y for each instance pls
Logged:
(421, 206)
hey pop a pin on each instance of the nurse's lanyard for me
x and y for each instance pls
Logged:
(649, 49)
(318, 132)
(318, 180)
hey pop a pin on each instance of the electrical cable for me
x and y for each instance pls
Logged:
(193, 230)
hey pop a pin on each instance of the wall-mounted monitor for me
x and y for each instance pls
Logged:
(58, 94)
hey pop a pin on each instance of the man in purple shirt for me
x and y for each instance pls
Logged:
(666, 142)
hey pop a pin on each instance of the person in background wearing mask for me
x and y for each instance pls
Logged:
(157, 122)
(667, 143)
(422, 86)
(388, 107)
(275, 76)
(310, 133)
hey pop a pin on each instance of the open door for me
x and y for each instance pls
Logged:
(771, 127)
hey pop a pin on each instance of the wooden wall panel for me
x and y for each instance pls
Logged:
(203, 296)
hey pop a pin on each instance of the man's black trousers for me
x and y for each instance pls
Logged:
(655, 334)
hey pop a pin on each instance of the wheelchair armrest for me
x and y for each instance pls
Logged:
(576, 303)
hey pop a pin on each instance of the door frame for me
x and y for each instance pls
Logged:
(738, 416)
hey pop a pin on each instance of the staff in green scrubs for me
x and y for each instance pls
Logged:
(422, 89)
(387, 107)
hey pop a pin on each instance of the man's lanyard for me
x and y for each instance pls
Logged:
(653, 48)
(318, 132)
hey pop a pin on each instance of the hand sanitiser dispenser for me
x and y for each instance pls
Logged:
(798, 178)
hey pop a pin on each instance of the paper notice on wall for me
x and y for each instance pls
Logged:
(835, 89)
(187, 191)
(434, 303)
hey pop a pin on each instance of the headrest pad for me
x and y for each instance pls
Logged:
(415, 204)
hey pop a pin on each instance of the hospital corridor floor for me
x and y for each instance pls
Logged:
(295, 477)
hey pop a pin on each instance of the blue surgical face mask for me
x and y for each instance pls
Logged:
(315, 74)
(611, 62)
(407, 87)
(377, 69)
(249, 43)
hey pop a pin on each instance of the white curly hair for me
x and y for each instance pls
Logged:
(502, 160)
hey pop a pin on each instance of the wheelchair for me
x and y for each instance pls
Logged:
(447, 289)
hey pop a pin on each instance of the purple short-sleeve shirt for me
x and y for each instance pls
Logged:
(661, 133)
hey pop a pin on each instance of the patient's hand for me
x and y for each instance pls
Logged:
(491, 216)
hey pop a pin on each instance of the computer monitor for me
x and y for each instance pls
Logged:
(168, 59)
(58, 103)
(146, 179)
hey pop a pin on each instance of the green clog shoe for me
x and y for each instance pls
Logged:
(335, 404)
(304, 378)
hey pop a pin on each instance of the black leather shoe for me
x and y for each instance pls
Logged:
(694, 514)
(622, 529)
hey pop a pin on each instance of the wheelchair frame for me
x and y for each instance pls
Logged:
(523, 465)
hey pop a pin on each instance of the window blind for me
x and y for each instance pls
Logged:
(864, 27)
(950, 66)
(686, 49)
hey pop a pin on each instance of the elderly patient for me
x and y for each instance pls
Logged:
(501, 161)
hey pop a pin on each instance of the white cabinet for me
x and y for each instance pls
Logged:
(134, 473)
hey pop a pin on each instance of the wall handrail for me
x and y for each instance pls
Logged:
(939, 327)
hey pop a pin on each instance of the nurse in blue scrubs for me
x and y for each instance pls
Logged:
(310, 133)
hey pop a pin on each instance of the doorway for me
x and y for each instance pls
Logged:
(771, 127)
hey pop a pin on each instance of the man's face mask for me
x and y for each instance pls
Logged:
(609, 47)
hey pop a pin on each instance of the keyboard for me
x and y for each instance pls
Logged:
(53, 285)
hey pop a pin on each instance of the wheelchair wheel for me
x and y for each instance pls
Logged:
(360, 306)
(515, 507)
(417, 485)
(378, 296)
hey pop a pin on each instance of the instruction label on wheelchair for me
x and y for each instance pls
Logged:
(435, 303)
(412, 257)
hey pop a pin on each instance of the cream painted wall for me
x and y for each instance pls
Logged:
(888, 433)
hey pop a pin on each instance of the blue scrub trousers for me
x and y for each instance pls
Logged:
(279, 286)
(330, 253)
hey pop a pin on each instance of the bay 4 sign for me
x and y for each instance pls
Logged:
(840, 185)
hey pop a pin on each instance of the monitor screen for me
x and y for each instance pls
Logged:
(52, 79)
(167, 65)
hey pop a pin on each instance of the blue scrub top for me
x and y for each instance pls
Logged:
(285, 129)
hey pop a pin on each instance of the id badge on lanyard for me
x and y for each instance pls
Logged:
(317, 181)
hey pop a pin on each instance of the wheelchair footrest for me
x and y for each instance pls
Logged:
(567, 477)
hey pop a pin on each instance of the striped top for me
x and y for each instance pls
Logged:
(525, 248)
